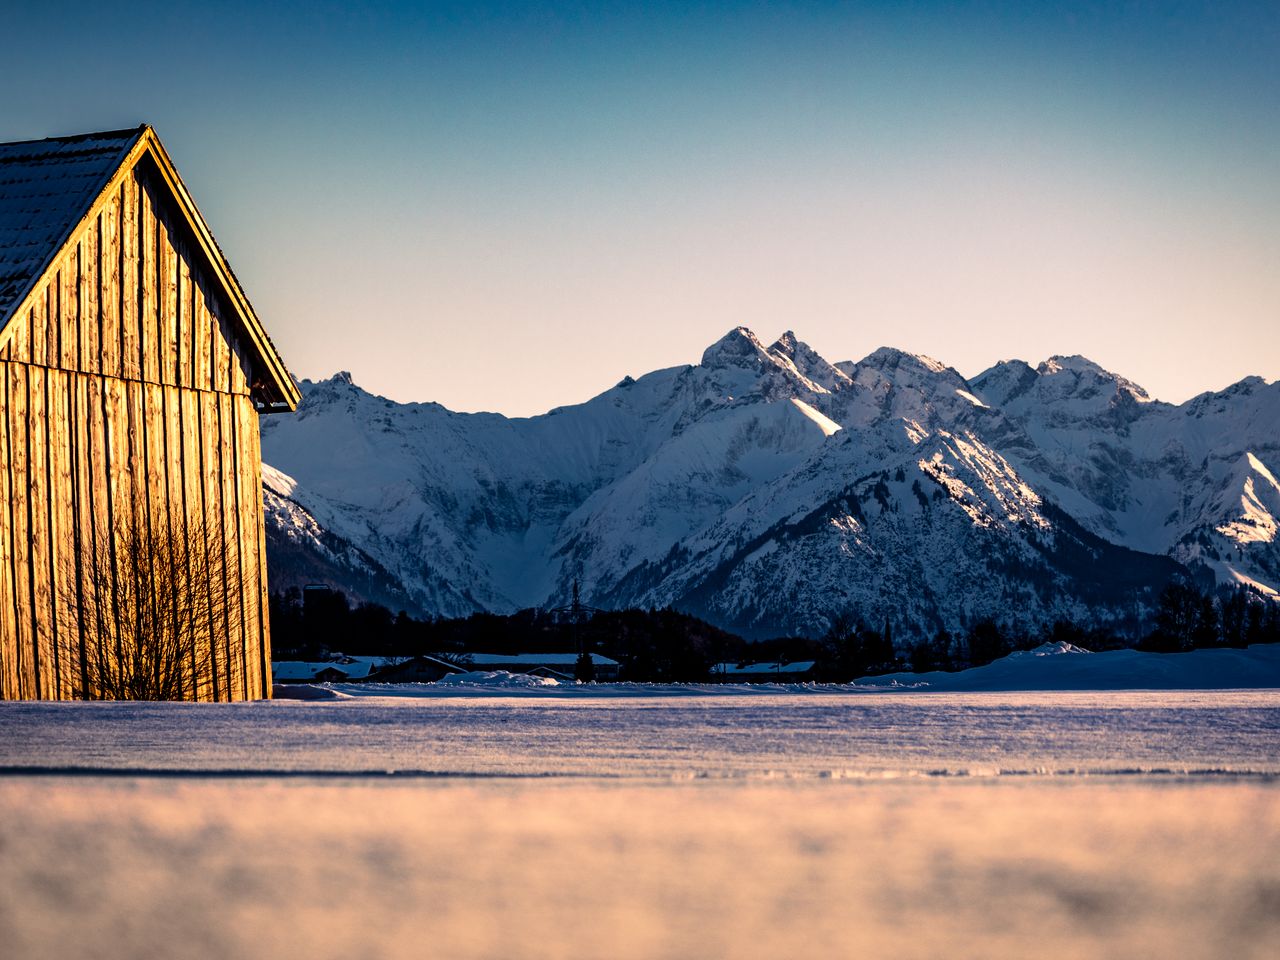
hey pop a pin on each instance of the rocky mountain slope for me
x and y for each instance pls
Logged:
(768, 491)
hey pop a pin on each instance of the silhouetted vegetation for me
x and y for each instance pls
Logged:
(584, 668)
(650, 645)
(851, 649)
(146, 612)
(669, 646)
(1187, 619)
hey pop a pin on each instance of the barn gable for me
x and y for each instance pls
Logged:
(101, 225)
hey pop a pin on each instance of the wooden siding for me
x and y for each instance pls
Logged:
(125, 391)
(77, 452)
(130, 299)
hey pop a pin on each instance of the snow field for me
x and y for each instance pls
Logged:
(988, 825)
(466, 869)
(737, 737)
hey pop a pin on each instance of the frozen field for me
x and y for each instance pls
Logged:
(698, 826)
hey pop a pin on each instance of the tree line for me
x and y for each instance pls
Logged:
(669, 646)
(1184, 619)
(650, 645)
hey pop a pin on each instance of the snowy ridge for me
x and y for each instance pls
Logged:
(770, 490)
(1071, 668)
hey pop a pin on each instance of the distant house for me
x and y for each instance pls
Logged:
(322, 671)
(132, 373)
(556, 665)
(358, 668)
(293, 671)
(337, 670)
(421, 669)
(795, 672)
(296, 671)
(331, 674)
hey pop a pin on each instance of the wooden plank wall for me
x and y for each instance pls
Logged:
(131, 300)
(125, 389)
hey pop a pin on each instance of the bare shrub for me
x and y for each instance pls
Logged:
(145, 612)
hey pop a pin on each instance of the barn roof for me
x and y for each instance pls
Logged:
(49, 187)
(46, 188)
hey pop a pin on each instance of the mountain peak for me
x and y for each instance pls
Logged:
(787, 366)
(893, 358)
(1004, 381)
(1087, 376)
(737, 348)
(787, 343)
(808, 363)
(1074, 363)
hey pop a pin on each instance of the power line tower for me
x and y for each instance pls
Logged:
(576, 612)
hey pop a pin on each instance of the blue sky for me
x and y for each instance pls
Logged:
(510, 206)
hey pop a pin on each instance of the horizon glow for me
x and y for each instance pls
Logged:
(508, 207)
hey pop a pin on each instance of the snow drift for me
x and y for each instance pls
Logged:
(1062, 666)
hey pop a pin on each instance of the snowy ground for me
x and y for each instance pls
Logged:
(773, 825)
(768, 735)
(1061, 666)
(1052, 666)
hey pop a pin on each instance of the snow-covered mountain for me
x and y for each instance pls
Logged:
(769, 490)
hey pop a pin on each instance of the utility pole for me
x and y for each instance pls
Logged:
(584, 670)
(575, 610)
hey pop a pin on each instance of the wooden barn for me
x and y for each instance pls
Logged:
(132, 373)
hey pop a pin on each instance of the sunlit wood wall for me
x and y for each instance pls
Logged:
(126, 392)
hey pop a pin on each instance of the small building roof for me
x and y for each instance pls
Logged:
(763, 669)
(353, 668)
(445, 665)
(538, 659)
(293, 669)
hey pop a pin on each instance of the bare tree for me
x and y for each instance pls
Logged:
(145, 612)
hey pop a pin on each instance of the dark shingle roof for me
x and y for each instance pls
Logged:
(46, 187)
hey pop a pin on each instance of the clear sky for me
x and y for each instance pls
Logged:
(509, 206)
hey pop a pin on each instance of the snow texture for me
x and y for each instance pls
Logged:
(960, 825)
(500, 679)
(793, 733)
(1062, 666)
(535, 869)
(1051, 666)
